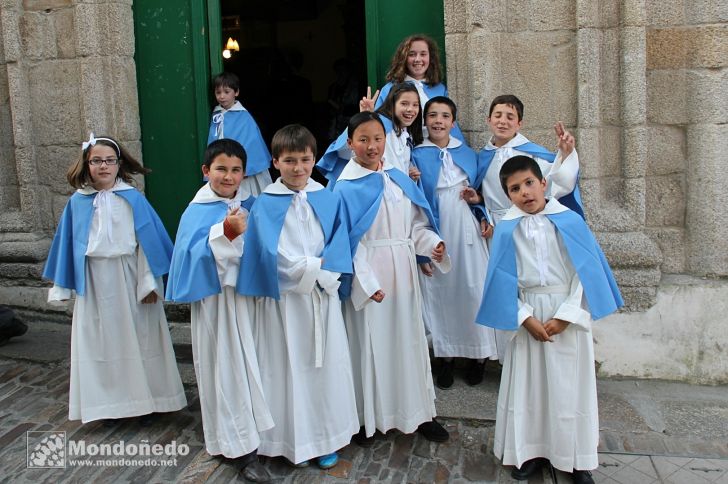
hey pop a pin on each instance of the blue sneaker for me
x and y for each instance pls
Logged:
(328, 461)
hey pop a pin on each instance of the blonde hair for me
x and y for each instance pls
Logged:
(78, 174)
(398, 68)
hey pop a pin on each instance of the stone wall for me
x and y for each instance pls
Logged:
(642, 84)
(66, 68)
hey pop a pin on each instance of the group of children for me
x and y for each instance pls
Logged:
(310, 305)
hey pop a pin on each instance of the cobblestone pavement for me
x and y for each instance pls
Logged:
(33, 398)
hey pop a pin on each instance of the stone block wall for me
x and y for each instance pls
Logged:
(66, 69)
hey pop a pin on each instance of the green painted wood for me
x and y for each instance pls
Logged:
(173, 81)
(388, 22)
(215, 27)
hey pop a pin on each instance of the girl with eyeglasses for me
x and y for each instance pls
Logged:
(112, 250)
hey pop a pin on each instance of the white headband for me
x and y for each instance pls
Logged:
(92, 141)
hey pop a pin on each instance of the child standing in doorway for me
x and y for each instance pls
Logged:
(112, 250)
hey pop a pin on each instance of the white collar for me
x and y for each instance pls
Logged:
(408, 78)
(118, 186)
(206, 195)
(278, 188)
(453, 143)
(235, 107)
(517, 141)
(552, 206)
(354, 171)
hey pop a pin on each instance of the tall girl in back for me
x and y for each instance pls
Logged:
(112, 250)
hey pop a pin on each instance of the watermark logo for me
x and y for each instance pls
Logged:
(51, 450)
(46, 450)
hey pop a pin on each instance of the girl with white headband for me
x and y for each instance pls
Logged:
(112, 250)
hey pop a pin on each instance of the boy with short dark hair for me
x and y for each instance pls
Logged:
(296, 247)
(231, 120)
(204, 271)
(547, 280)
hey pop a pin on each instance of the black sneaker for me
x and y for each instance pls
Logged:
(476, 370)
(10, 325)
(527, 469)
(361, 439)
(433, 431)
(582, 477)
(445, 379)
(147, 420)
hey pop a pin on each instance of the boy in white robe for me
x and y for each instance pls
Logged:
(204, 272)
(547, 280)
(295, 249)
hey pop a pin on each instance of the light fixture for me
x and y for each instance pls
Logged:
(226, 53)
(232, 44)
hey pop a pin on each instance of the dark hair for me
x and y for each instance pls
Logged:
(387, 109)
(224, 146)
(293, 137)
(360, 118)
(516, 164)
(398, 68)
(441, 100)
(226, 79)
(78, 174)
(511, 101)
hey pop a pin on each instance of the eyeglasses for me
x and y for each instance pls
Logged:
(108, 161)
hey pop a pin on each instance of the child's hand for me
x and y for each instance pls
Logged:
(438, 252)
(486, 229)
(470, 195)
(536, 329)
(565, 140)
(367, 102)
(377, 296)
(426, 269)
(235, 223)
(150, 298)
(414, 173)
(555, 326)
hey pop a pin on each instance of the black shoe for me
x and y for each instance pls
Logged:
(10, 325)
(527, 469)
(433, 431)
(110, 422)
(582, 477)
(445, 378)
(147, 420)
(475, 372)
(361, 439)
(255, 472)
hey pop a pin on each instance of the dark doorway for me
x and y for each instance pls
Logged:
(300, 61)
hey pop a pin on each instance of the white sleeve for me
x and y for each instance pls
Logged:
(146, 282)
(426, 239)
(571, 309)
(525, 311)
(329, 281)
(57, 295)
(227, 254)
(365, 281)
(563, 174)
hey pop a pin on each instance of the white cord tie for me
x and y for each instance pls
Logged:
(102, 203)
(535, 231)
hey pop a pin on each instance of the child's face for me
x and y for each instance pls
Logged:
(406, 108)
(367, 143)
(418, 59)
(295, 168)
(103, 176)
(225, 96)
(504, 123)
(439, 122)
(526, 191)
(224, 175)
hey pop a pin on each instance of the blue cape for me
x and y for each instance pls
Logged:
(361, 199)
(499, 307)
(66, 266)
(338, 155)
(240, 126)
(427, 160)
(431, 91)
(258, 274)
(572, 200)
(193, 274)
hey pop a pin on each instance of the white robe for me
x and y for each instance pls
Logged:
(302, 346)
(122, 361)
(547, 402)
(396, 150)
(561, 177)
(450, 301)
(390, 357)
(232, 403)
